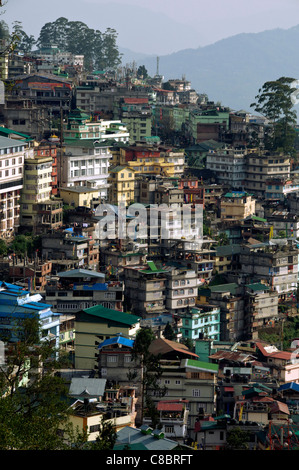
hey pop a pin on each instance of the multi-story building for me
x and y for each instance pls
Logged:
(12, 157)
(261, 307)
(16, 304)
(275, 263)
(284, 224)
(77, 289)
(96, 324)
(181, 290)
(121, 185)
(236, 205)
(86, 163)
(184, 376)
(79, 126)
(68, 250)
(203, 322)
(136, 114)
(194, 191)
(262, 166)
(35, 100)
(196, 255)
(228, 165)
(145, 289)
(218, 119)
(153, 160)
(40, 211)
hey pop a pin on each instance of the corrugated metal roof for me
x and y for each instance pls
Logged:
(117, 340)
(86, 387)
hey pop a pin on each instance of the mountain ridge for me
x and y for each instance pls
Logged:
(232, 69)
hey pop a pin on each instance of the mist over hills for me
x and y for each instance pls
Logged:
(233, 69)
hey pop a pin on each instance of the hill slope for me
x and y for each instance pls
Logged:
(232, 70)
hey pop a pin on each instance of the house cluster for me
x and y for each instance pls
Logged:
(102, 171)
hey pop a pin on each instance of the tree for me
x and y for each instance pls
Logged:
(33, 405)
(237, 439)
(142, 72)
(274, 101)
(150, 372)
(99, 49)
(168, 332)
(24, 42)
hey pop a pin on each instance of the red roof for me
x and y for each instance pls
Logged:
(162, 406)
(136, 100)
(229, 389)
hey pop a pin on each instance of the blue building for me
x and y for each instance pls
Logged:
(17, 304)
(203, 322)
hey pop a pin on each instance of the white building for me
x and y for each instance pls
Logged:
(229, 166)
(12, 156)
(86, 163)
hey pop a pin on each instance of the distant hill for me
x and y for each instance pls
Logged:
(232, 70)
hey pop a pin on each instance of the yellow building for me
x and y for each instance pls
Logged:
(153, 161)
(76, 196)
(237, 205)
(96, 324)
(122, 185)
(38, 209)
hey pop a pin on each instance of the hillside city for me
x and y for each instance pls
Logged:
(181, 333)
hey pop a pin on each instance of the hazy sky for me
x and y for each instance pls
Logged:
(160, 26)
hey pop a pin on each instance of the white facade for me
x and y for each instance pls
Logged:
(229, 165)
(87, 165)
(12, 156)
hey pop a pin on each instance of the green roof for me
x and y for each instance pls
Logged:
(258, 286)
(8, 132)
(116, 169)
(232, 288)
(109, 314)
(202, 365)
(254, 217)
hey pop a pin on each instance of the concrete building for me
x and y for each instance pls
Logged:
(145, 289)
(181, 290)
(199, 323)
(96, 324)
(78, 289)
(17, 304)
(121, 185)
(40, 211)
(261, 307)
(236, 205)
(69, 250)
(229, 166)
(262, 166)
(276, 263)
(184, 376)
(86, 163)
(12, 157)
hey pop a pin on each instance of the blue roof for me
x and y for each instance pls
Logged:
(289, 386)
(117, 340)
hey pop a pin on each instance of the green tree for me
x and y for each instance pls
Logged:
(24, 42)
(237, 439)
(168, 332)
(274, 101)
(142, 72)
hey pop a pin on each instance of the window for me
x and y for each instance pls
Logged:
(112, 358)
(196, 392)
(94, 428)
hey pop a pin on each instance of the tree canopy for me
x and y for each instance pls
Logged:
(274, 101)
(99, 48)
